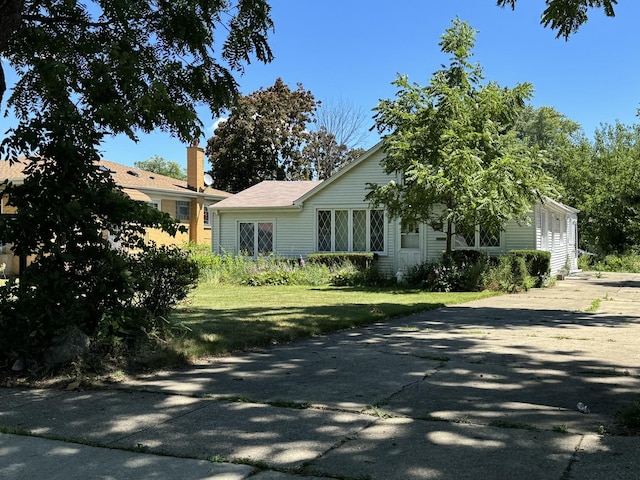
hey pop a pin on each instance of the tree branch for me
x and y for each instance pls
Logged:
(59, 19)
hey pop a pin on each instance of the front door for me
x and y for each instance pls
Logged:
(410, 251)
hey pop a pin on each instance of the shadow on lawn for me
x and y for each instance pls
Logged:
(218, 331)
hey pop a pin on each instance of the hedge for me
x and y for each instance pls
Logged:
(359, 260)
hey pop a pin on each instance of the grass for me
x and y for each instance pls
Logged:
(226, 318)
(595, 305)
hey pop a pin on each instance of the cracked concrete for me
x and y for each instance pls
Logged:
(483, 390)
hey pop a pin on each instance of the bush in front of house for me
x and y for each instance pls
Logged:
(509, 275)
(361, 260)
(460, 271)
(537, 263)
(473, 270)
(128, 305)
(338, 269)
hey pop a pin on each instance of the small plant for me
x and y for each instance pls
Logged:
(562, 428)
(595, 305)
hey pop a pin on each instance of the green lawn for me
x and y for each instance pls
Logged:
(227, 318)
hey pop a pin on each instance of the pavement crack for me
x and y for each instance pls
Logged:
(566, 475)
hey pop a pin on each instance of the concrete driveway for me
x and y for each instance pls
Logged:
(484, 390)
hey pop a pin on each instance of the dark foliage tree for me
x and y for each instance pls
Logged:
(567, 16)
(87, 70)
(262, 139)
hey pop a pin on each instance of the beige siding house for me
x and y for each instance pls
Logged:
(295, 219)
(185, 201)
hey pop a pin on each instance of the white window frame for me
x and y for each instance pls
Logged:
(476, 242)
(350, 230)
(180, 216)
(256, 233)
(206, 217)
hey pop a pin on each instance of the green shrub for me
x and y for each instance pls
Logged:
(537, 262)
(361, 260)
(510, 275)
(352, 276)
(462, 271)
(627, 262)
(163, 276)
(115, 297)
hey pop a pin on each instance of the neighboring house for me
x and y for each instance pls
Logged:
(294, 219)
(184, 200)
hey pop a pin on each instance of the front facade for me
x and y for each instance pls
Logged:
(185, 201)
(294, 219)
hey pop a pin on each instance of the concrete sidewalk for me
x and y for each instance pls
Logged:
(485, 390)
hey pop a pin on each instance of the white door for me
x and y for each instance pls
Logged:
(410, 252)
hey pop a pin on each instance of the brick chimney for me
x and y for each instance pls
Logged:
(195, 167)
(195, 181)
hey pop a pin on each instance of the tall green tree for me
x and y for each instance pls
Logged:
(561, 143)
(262, 138)
(453, 148)
(567, 16)
(159, 165)
(87, 70)
(610, 199)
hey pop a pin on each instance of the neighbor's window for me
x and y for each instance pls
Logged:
(255, 238)
(206, 217)
(351, 230)
(182, 210)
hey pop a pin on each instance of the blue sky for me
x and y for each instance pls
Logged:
(353, 49)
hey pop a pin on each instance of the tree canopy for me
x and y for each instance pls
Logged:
(454, 150)
(262, 138)
(269, 136)
(567, 16)
(87, 70)
(159, 165)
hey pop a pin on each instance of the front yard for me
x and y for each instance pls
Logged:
(224, 318)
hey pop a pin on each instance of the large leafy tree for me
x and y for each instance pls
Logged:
(567, 16)
(453, 148)
(609, 199)
(87, 70)
(262, 138)
(159, 165)
(562, 144)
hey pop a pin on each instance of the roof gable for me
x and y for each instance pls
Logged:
(340, 173)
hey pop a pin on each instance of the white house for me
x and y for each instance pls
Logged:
(294, 219)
